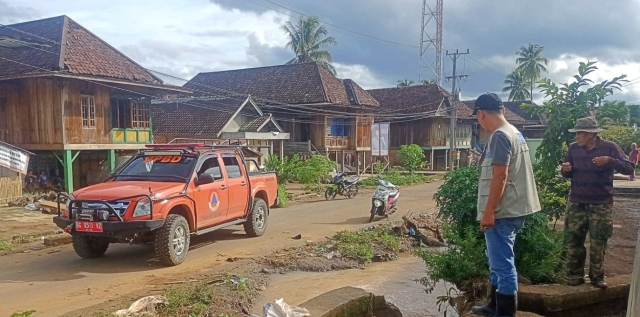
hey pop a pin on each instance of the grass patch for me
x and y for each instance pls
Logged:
(359, 245)
(398, 178)
(223, 295)
(5, 245)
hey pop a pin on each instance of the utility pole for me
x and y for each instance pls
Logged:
(454, 96)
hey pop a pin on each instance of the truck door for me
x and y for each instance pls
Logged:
(211, 199)
(238, 182)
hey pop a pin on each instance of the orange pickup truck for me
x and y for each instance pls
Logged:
(166, 193)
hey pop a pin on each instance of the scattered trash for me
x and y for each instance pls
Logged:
(31, 207)
(309, 241)
(281, 309)
(143, 306)
(330, 255)
(236, 280)
(298, 237)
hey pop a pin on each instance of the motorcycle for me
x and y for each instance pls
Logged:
(343, 186)
(384, 200)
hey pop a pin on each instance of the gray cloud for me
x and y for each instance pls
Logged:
(592, 29)
(13, 14)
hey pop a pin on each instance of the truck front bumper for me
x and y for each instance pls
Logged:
(113, 228)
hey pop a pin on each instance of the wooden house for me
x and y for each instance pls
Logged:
(217, 120)
(531, 126)
(71, 98)
(421, 115)
(322, 114)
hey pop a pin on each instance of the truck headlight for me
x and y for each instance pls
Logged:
(143, 208)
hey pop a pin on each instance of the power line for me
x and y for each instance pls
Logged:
(332, 25)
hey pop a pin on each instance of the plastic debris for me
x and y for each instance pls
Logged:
(330, 255)
(31, 207)
(281, 309)
(145, 306)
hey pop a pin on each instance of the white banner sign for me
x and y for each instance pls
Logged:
(380, 139)
(13, 159)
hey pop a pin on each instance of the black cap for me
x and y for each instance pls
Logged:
(488, 101)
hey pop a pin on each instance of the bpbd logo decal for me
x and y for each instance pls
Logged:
(214, 201)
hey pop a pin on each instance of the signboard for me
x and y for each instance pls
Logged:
(380, 139)
(13, 158)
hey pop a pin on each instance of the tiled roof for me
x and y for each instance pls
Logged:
(508, 114)
(512, 112)
(515, 107)
(305, 83)
(190, 117)
(418, 99)
(82, 52)
(254, 125)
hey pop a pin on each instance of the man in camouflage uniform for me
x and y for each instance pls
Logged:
(590, 164)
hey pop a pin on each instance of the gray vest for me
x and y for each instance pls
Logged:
(520, 197)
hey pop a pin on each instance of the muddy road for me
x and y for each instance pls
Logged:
(54, 281)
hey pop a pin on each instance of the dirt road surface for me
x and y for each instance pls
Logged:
(55, 281)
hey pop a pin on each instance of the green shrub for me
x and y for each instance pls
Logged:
(314, 170)
(287, 169)
(457, 199)
(621, 135)
(412, 157)
(538, 249)
(552, 192)
(283, 196)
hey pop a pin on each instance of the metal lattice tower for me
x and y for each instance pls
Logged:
(431, 38)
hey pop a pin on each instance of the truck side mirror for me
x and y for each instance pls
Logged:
(204, 179)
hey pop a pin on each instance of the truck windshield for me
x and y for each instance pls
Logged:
(171, 168)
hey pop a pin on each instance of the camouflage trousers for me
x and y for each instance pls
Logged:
(597, 220)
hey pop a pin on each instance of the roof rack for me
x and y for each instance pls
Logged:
(192, 146)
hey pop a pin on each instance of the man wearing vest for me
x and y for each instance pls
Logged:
(506, 194)
(590, 164)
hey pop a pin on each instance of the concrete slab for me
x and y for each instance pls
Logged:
(58, 239)
(549, 299)
(349, 302)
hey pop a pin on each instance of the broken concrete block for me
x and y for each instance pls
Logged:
(57, 239)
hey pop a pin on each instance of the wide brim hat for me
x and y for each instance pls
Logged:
(588, 124)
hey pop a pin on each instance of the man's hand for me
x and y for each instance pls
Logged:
(601, 160)
(566, 167)
(488, 220)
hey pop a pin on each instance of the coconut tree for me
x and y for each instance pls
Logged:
(531, 62)
(427, 81)
(405, 83)
(517, 85)
(307, 38)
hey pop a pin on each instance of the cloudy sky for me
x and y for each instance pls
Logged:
(185, 37)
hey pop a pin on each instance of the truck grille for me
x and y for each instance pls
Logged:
(119, 206)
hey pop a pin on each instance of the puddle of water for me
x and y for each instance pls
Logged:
(395, 280)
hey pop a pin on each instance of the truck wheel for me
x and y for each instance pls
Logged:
(256, 223)
(172, 240)
(88, 247)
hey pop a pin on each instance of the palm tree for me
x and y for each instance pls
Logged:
(517, 86)
(306, 39)
(531, 63)
(405, 83)
(427, 81)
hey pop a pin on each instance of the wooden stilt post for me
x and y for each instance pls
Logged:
(633, 307)
(281, 150)
(111, 158)
(68, 159)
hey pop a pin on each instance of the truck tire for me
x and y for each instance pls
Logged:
(172, 240)
(256, 224)
(89, 247)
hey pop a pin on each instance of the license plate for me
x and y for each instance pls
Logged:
(86, 226)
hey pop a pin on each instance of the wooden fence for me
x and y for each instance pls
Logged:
(10, 188)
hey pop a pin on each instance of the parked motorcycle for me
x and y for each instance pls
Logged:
(342, 185)
(384, 200)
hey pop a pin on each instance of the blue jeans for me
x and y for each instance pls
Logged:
(500, 239)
